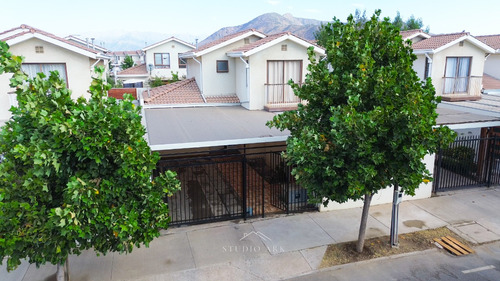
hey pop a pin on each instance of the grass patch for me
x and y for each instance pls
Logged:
(343, 253)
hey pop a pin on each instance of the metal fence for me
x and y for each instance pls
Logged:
(468, 162)
(233, 183)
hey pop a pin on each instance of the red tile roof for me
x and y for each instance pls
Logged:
(124, 53)
(490, 82)
(135, 70)
(268, 39)
(26, 29)
(437, 41)
(223, 39)
(223, 99)
(408, 33)
(182, 92)
(490, 40)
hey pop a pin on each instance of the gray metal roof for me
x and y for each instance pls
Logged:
(197, 127)
(193, 127)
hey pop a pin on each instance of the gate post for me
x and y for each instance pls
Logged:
(437, 168)
(490, 159)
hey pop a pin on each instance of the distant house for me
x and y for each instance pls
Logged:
(117, 57)
(158, 60)
(455, 62)
(252, 67)
(162, 58)
(88, 42)
(45, 52)
(491, 79)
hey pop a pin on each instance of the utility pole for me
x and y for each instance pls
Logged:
(396, 199)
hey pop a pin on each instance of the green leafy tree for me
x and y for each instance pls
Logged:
(398, 22)
(368, 121)
(128, 62)
(76, 175)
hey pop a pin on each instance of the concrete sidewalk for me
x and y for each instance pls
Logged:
(275, 248)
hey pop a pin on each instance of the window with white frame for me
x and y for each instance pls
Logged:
(31, 69)
(162, 60)
(457, 74)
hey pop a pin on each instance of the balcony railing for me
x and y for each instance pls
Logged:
(470, 86)
(280, 95)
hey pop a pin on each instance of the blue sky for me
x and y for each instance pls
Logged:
(201, 18)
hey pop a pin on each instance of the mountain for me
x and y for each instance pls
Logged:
(272, 23)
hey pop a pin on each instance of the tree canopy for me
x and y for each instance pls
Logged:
(368, 121)
(128, 62)
(76, 174)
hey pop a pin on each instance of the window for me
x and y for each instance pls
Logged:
(284, 47)
(39, 49)
(31, 69)
(162, 60)
(182, 63)
(457, 74)
(246, 41)
(278, 75)
(222, 66)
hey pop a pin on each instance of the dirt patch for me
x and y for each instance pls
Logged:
(380, 247)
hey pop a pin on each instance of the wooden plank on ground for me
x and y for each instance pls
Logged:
(455, 246)
(447, 247)
(465, 247)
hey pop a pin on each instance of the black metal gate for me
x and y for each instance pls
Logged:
(229, 183)
(468, 162)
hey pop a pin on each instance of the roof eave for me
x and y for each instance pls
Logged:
(56, 42)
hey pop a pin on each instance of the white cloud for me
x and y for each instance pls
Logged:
(273, 2)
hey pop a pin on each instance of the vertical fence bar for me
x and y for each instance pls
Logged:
(438, 169)
(244, 185)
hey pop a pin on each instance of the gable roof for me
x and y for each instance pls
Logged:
(127, 53)
(224, 41)
(24, 32)
(272, 40)
(184, 92)
(491, 40)
(410, 34)
(138, 70)
(87, 44)
(166, 41)
(437, 43)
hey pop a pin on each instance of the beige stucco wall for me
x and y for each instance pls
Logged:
(210, 82)
(467, 50)
(77, 68)
(419, 66)
(258, 69)
(492, 65)
(173, 48)
(385, 196)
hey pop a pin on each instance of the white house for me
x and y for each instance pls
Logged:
(455, 62)
(491, 79)
(162, 58)
(251, 66)
(45, 52)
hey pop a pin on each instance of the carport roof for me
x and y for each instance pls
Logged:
(197, 127)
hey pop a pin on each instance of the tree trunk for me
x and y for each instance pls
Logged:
(364, 219)
(63, 271)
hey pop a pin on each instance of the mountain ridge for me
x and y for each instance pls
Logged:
(271, 23)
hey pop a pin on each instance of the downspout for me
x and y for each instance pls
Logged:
(247, 67)
(201, 79)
